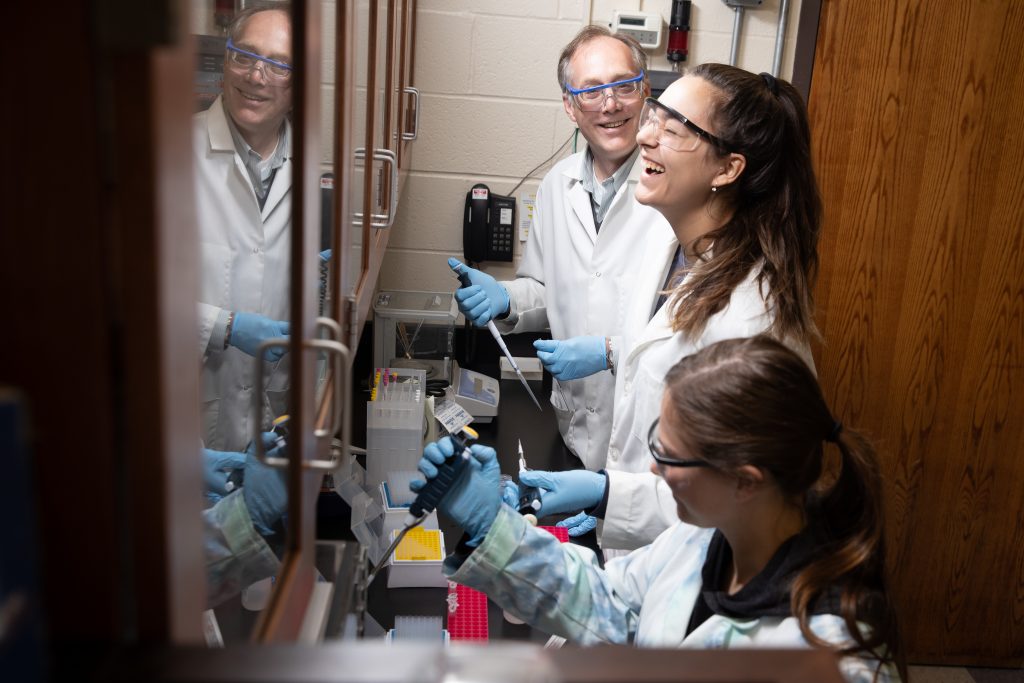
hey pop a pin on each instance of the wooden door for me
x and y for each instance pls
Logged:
(915, 111)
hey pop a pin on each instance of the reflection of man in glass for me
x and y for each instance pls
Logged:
(243, 157)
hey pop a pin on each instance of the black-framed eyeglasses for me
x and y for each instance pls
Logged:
(658, 451)
(675, 131)
(244, 61)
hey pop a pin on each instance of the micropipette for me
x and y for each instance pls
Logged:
(430, 495)
(529, 496)
(464, 280)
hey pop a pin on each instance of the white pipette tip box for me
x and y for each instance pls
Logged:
(530, 367)
(416, 562)
(422, 629)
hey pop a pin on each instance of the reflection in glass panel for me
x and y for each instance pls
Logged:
(359, 127)
(242, 156)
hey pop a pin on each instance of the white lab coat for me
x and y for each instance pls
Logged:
(640, 504)
(244, 254)
(590, 275)
(645, 599)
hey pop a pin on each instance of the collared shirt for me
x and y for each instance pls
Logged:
(261, 171)
(602, 192)
(676, 273)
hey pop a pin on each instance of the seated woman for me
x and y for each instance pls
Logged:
(774, 549)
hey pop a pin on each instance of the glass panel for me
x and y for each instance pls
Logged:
(360, 37)
(243, 182)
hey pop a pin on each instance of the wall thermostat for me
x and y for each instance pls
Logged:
(645, 27)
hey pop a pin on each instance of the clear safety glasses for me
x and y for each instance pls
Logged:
(675, 131)
(592, 98)
(658, 451)
(242, 62)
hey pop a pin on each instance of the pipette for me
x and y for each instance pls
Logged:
(431, 494)
(529, 496)
(464, 280)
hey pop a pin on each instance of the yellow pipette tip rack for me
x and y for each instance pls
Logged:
(420, 545)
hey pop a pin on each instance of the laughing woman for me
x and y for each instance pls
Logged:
(727, 161)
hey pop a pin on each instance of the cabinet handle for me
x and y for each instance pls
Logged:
(416, 115)
(257, 404)
(342, 379)
(340, 409)
(382, 220)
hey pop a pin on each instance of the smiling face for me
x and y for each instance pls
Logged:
(611, 131)
(257, 107)
(703, 495)
(677, 183)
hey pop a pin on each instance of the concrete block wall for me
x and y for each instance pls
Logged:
(491, 107)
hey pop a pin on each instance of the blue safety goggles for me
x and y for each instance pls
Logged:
(245, 61)
(592, 98)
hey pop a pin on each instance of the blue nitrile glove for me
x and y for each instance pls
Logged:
(485, 299)
(473, 500)
(266, 494)
(250, 329)
(509, 493)
(572, 358)
(569, 491)
(216, 467)
(325, 255)
(579, 524)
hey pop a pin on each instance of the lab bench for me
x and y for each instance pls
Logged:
(518, 420)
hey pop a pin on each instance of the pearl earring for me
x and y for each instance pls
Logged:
(714, 188)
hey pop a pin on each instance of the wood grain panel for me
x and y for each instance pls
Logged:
(921, 299)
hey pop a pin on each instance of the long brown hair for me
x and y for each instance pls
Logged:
(755, 402)
(775, 201)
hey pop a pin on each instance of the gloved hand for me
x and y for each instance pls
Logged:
(484, 299)
(250, 329)
(216, 467)
(473, 500)
(568, 491)
(579, 524)
(264, 489)
(572, 358)
(509, 492)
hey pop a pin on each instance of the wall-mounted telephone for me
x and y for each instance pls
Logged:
(488, 227)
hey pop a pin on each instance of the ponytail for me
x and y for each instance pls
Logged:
(849, 516)
(755, 402)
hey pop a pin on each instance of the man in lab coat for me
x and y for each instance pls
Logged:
(243, 157)
(585, 245)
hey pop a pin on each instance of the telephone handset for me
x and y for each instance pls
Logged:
(488, 224)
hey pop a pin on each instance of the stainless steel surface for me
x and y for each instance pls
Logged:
(416, 116)
(780, 37)
(737, 27)
(342, 390)
(382, 221)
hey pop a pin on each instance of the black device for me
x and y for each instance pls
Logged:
(447, 473)
(529, 500)
(678, 31)
(488, 225)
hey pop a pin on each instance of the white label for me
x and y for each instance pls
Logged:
(526, 216)
(479, 193)
(452, 416)
(505, 217)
